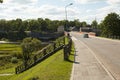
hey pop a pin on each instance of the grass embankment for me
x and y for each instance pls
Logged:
(9, 49)
(53, 68)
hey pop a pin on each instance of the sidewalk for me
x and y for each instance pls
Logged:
(87, 66)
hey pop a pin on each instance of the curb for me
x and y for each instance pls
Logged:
(71, 76)
(115, 40)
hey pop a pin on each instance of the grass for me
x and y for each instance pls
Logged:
(8, 49)
(8, 67)
(53, 68)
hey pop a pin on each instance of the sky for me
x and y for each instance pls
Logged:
(84, 10)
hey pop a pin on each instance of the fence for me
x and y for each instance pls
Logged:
(41, 55)
(112, 37)
(67, 49)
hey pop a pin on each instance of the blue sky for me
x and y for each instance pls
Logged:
(84, 10)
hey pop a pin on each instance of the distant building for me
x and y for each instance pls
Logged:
(60, 29)
(85, 29)
(74, 28)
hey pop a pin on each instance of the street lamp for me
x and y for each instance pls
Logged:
(66, 13)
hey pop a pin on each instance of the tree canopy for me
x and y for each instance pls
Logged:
(29, 45)
(111, 25)
(94, 24)
(15, 29)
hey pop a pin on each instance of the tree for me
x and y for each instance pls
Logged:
(28, 46)
(94, 24)
(77, 23)
(71, 23)
(111, 25)
(33, 25)
(18, 24)
(2, 25)
(44, 25)
(84, 24)
(25, 25)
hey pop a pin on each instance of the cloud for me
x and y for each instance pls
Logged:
(109, 9)
(102, 12)
(111, 2)
(22, 2)
(27, 9)
(114, 2)
(51, 10)
(87, 1)
(55, 12)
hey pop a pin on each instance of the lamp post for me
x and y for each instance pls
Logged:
(66, 14)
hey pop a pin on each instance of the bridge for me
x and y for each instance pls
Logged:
(95, 58)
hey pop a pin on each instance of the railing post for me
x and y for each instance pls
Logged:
(64, 40)
(35, 58)
(65, 52)
(16, 70)
(54, 45)
(25, 63)
(44, 52)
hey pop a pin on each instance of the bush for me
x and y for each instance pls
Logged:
(14, 60)
(4, 39)
(17, 54)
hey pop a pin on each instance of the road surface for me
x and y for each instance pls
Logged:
(106, 50)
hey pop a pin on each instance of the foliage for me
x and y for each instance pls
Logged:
(111, 25)
(16, 29)
(94, 24)
(14, 60)
(6, 66)
(77, 23)
(84, 24)
(17, 54)
(29, 45)
(4, 39)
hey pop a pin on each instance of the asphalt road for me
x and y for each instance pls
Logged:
(106, 50)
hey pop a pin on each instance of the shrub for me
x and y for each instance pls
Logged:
(17, 54)
(14, 60)
(4, 39)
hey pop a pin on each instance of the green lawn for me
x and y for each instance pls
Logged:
(8, 67)
(53, 68)
(8, 49)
